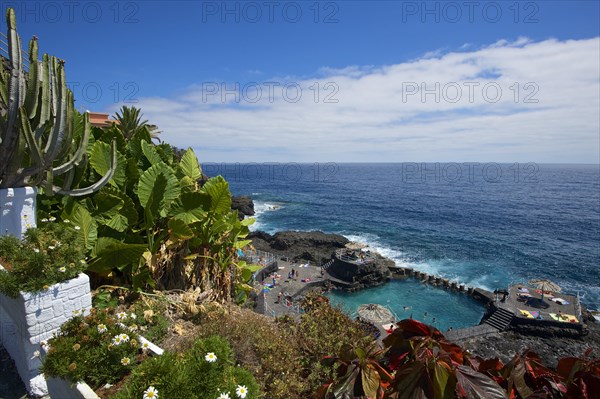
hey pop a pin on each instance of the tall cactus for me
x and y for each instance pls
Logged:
(37, 123)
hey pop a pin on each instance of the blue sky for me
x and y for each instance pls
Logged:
(339, 81)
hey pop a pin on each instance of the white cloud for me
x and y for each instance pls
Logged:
(547, 110)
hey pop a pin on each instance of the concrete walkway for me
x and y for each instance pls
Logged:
(288, 287)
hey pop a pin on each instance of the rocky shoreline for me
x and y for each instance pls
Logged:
(318, 247)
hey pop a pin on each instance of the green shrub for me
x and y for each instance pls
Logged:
(99, 348)
(49, 254)
(191, 374)
(284, 356)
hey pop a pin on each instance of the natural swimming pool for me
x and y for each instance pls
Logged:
(432, 305)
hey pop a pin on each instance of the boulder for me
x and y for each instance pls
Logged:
(244, 205)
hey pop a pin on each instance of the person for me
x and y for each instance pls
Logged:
(274, 280)
(279, 296)
(294, 274)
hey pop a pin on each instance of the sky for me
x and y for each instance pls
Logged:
(339, 81)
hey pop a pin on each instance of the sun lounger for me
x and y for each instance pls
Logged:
(565, 318)
(526, 313)
(523, 289)
(560, 301)
(570, 318)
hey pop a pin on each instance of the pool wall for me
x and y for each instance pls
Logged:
(479, 294)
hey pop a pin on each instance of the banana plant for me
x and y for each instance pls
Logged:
(155, 225)
(42, 138)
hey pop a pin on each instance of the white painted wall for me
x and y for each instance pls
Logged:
(28, 320)
(17, 210)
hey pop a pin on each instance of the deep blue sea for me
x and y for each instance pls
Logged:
(486, 225)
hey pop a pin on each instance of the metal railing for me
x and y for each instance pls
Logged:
(326, 265)
(4, 51)
(362, 257)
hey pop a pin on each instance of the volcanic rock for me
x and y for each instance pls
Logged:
(244, 205)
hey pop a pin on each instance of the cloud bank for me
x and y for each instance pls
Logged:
(518, 101)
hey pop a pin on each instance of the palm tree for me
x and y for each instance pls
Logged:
(130, 122)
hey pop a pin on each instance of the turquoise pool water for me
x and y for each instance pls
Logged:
(432, 305)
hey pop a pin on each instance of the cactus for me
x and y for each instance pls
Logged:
(37, 123)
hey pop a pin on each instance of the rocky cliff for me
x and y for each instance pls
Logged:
(319, 248)
(244, 205)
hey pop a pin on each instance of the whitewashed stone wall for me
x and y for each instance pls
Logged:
(17, 210)
(28, 320)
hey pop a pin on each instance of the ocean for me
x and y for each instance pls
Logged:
(483, 224)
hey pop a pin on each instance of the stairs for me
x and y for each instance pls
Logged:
(500, 319)
(326, 265)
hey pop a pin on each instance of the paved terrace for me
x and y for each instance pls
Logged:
(307, 276)
(515, 303)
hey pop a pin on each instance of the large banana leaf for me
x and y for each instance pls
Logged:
(82, 218)
(110, 253)
(100, 160)
(189, 165)
(180, 230)
(150, 153)
(157, 189)
(115, 210)
(248, 221)
(218, 189)
(190, 207)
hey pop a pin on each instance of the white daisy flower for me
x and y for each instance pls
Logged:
(117, 340)
(121, 315)
(52, 219)
(210, 357)
(62, 269)
(133, 316)
(224, 396)
(125, 361)
(77, 228)
(67, 221)
(124, 337)
(102, 328)
(151, 393)
(36, 250)
(241, 391)
(44, 220)
(76, 312)
(51, 247)
(145, 346)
